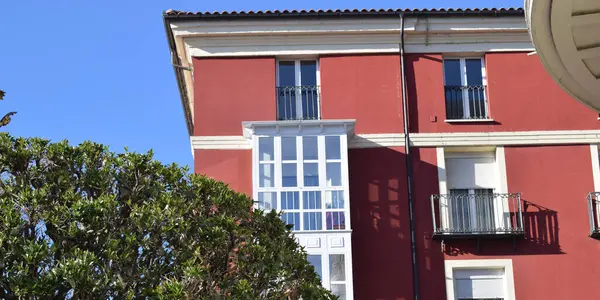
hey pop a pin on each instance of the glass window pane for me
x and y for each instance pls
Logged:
(287, 73)
(313, 221)
(289, 177)
(310, 147)
(336, 220)
(265, 149)
(308, 72)
(474, 72)
(265, 175)
(315, 261)
(311, 174)
(290, 200)
(452, 75)
(288, 148)
(292, 218)
(311, 199)
(267, 201)
(334, 199)
(337, 267)
(332, 147)
(339, 290)
(334, 174)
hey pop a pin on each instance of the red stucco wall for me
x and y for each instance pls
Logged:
(233, 167)
(556, 259)
(521, 96)
(363, 87)
(228, 91)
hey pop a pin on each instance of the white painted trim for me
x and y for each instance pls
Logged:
(509, 138)
(506, 264)
(501, 165)
(506, 138)
(595, 166)
(376, 140)
(298, 127)
(375, 25)
(470, 120)
(441, 164)
(232, 142)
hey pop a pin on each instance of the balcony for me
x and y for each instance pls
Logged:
(466, 102)
(477, 215)
(594, 214)
(298, 103)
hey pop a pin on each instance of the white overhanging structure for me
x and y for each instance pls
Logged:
(566, 35)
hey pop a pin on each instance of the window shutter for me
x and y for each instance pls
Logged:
(471, 172)
(479, 284)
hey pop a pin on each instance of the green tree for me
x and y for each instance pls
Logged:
(81, 222)
(7, 117)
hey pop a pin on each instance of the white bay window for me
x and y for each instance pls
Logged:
(300, 168)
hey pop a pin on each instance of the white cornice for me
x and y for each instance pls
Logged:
(298, 127)
(506, 138)
(320, 37)
(513, 138)
(291, 27)
(231, 142)
(376, 140)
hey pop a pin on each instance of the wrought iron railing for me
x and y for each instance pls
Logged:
(298, 103)
(477, 214)
(466, 102)
(593, 199)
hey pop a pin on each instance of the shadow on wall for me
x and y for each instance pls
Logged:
(382, 267)
(541, 236)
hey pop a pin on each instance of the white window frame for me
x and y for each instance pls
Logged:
(502, 216)
(463, 81)
(298, 82)
(506, 264)
(300, 188)
(314, 242)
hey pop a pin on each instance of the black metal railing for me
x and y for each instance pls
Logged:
(593, 199)
(477, 214)
(466, 102)
(298, 103)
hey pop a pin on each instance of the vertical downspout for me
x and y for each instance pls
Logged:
(413, 242)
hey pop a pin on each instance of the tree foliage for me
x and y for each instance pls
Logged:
(7, 117)
(86, 223)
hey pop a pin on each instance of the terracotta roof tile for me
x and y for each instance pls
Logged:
(176, 14)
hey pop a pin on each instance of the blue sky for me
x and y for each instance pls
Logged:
(100, 70)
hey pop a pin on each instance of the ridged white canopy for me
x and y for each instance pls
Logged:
(566, 34)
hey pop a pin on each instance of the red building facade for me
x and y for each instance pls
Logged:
(304, 112)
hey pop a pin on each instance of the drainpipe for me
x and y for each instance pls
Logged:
(413, 242)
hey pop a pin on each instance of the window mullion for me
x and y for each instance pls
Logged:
(298, 69)
(322, 177)
(465, 90)
(326, 276)
(278, 166)
(300, 178)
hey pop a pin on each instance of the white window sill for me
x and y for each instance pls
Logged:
(470, 121)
